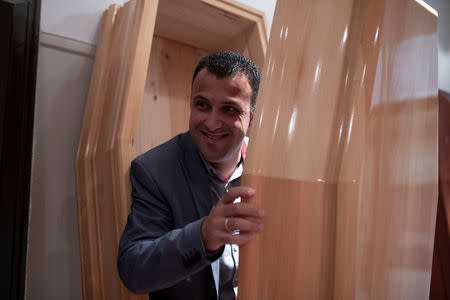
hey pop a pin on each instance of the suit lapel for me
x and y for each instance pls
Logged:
(202, 192)
(196, 176)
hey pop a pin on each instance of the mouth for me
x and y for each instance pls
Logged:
(213, 136)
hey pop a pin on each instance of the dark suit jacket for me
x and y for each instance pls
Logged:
(161, 251)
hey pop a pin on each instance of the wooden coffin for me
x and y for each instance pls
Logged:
(344, 153)
(139, 98)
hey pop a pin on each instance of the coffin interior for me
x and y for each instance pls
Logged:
(184, 32)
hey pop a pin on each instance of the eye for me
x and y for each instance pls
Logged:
(231, 109)
(201, 105)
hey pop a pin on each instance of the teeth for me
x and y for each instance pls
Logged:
(213, 136)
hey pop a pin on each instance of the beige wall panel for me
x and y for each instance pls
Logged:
(349, 182)
(53, 259)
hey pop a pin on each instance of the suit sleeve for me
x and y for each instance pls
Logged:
(152, 255)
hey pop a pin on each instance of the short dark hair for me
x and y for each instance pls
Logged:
(227, 63)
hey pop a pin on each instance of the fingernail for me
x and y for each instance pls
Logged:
(250, 192)
(261, 212)
(260, 227)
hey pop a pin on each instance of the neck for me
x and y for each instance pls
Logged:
(226, 169)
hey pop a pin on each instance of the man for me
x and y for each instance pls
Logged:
(183, 221)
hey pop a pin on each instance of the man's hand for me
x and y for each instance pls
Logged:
(226, 217)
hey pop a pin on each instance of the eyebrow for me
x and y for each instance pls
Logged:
(228, 102)
(233, 103)
(200, 97)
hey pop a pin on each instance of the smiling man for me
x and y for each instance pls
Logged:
(186, 221)
(220, 117)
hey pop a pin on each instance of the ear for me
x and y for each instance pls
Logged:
(251, 119)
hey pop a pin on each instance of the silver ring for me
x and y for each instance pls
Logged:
(226, 224)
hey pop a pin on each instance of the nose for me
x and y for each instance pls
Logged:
(213, 121)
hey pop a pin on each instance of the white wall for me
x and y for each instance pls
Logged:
(53, 264)
(443, 9)
(69, 32)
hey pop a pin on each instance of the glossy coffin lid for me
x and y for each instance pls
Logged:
(344, 153)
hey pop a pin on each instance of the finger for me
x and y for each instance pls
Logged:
(213, 233)
(243, 225)
(236, 192)
(240, 239)
(218, 225)
(230, 238)
(241, 210)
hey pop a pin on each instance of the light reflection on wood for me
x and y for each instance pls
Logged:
(349, 182)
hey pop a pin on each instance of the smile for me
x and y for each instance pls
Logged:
(213, 137)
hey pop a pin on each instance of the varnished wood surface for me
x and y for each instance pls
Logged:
(139, 98)
(214, 25)
(87, 210)
(117, 84)
(344, 155)
(165, 104)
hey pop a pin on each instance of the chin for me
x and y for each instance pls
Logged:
(213, 157)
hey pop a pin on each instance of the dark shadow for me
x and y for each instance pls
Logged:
(19, 36)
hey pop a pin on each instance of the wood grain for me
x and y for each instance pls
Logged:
(214, 25)
(85, 185)
(349, 182)
(167, 91)
(121, 63)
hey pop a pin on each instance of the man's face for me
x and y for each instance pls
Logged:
(220, 115)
